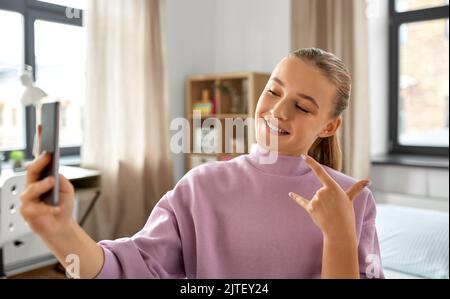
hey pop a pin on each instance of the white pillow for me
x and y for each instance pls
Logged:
(414, 241)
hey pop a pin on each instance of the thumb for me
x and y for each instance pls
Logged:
(64, 185)
(67, 191)
(356, 188)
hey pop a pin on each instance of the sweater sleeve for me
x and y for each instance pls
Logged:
(369, 256)
(154, 252)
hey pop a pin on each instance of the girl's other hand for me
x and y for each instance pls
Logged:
(331, 208)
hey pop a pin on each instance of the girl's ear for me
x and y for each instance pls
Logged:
(331, 127)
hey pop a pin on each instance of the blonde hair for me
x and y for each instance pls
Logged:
(327, 151)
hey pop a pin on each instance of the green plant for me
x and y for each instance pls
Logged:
(16, 156)
(226, 90)
(235, 98)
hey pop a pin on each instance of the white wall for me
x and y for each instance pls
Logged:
(251, 34)
(411, 186)
(189, 35)
(209, 36)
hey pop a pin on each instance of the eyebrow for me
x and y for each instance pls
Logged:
(302, 95)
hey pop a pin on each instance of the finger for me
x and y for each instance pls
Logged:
(35, 190)
(34, 169)
(56, 210)
(31, 210)
(354, 190)
(65, 187)
(300, 200)
(321, 174)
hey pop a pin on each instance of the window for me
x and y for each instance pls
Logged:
(408, 5)
(419, 77)
(43, 35)
(12, 123)
(62, 77)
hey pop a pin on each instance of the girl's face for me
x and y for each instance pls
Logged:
(296, 106)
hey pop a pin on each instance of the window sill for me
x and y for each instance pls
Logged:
(411, 161)
(70, 161)
(74, 161)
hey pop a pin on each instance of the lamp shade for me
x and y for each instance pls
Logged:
(32, 94)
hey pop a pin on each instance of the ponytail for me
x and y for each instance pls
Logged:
(327, 151)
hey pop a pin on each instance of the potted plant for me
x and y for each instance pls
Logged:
(17, 159)
(230, 94)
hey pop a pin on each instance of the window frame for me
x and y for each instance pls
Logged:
(33, 10)
(396, 19)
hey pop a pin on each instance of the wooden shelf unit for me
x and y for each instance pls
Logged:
(248, 87)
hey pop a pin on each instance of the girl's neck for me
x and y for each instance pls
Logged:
(279, 152)
(277, 164)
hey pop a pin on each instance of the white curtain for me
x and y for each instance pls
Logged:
(340, 27)
(126, 133)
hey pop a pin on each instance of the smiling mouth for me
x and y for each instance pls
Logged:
(274, 129)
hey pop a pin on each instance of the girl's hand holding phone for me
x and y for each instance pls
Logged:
(55, 224)
(43, 219)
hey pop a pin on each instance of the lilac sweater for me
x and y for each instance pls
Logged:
(235, 219)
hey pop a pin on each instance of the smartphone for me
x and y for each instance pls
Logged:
(49, 142)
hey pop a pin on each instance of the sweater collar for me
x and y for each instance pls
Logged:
(273, 163)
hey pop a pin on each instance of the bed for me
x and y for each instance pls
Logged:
(414, 242)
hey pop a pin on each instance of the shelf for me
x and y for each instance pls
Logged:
(233, 96)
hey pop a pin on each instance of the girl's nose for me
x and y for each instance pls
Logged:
(280, 110)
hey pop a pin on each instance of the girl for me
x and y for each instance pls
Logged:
(298, 217)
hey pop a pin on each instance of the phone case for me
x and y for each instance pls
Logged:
(49, 142)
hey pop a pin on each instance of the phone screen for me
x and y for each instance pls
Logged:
(49, 142)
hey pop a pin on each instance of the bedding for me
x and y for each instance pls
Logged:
(414, 242)
(392, 274)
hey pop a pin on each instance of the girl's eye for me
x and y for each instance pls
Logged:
(272, 93)
(300, 108)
